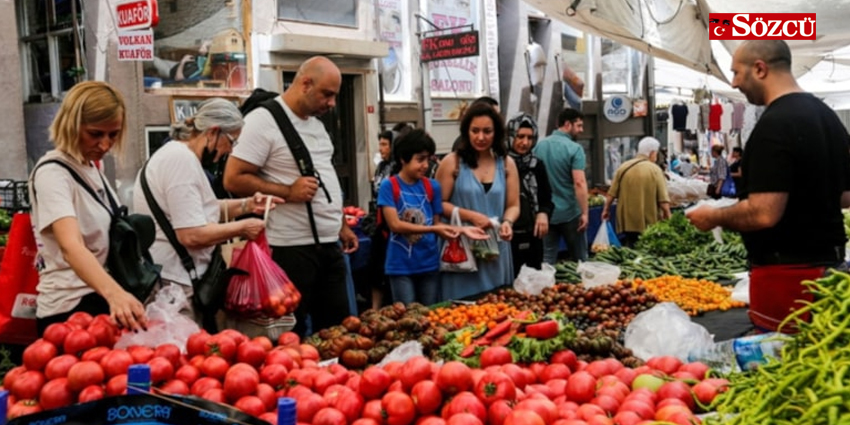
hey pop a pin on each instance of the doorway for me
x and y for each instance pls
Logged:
(339, 122)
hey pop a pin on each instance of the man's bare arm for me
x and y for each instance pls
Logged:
(240, 178)
(759, 211)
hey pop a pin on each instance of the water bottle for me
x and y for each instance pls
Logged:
(745, 353)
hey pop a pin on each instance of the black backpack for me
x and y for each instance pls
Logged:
(261, 98)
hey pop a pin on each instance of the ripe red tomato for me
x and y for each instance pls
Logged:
(329, 416)
(56, 333)
(705, 393)
(581, 387)
(197, 343)
(666, 364)
(267, 394)
(83, 374)
(398, 408)
(252, 353)
(12, 375)
(116, 362)
(274, 375)
(91, 393)
(495, 386)
(270, 417)
(239, 381)
(464, 402)
(215, 367)
(369, 421)
(308, 405)
(308, 352)
(140, 354)
(374, 382)
(55, 394)
(430, 420)
(373, 410)
(678, 390)
(640, 407)
(516, 374)
(464, 419)
(28, 384)
(161, 370)
(554, 371)
(37, 354)
(95, 354)
(23, 408)
(627, 418)
(495, 356)
(626, 375)
(236, 336)
(348, 402)
(188, 374)
(170, 352)
(289, 339)
(58, 366)
(203, 385)
(281, 357)
(608, 403)
(498, 411)
(215, 395)
(543, 407)
(415, 369)
(426, 397)
(104, 334)
(117, 385)
(80, 318)
(587, 411)
(221, 345)
(567, 357)
(79, 341)
(176, 387)
(322, 380)
(454, 377)
(524, 417)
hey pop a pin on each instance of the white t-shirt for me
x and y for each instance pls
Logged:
(693, 118)
(60, 196)
(183, 192)
(263, 145)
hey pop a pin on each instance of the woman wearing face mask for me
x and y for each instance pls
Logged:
(535, 194)
(181, 189)
(481, 180)
(71, 226)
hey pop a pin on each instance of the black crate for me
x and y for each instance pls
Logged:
(14, 195)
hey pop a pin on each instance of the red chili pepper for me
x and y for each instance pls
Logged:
(499, 329)
(542, 330)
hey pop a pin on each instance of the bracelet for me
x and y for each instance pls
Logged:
(507, 220)
(244, 205)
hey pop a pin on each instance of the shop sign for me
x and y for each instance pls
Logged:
(762, 26)
(135, 45)
(449, 46)
(617, 109)
(137, 14)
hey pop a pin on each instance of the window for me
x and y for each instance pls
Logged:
(329, 12)
(51, 58)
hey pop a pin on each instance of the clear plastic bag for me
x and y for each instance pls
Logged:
(666, 330)
(165, 323)
(717, 232)
(456, 255)
(531, 281)
(595, 273)
(488, 249)
(601, 242)
(741, 292)
(260, 288)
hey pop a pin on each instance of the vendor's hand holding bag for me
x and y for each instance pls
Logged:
(259, 287)
(456, 255)
(130, 237)
(208, 291)
(488, 249)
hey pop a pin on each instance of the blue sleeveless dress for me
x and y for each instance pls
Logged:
(469, 193)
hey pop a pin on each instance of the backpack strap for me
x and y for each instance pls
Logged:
(429, 190)
(299, 153)
(396, 188)
(166, 227)
(112, 211)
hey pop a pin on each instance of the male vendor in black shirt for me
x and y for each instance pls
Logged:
(796, 178)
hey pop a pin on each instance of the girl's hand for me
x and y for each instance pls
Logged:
(445, 231)
(127, 311)
(506, 231)
(480, 221)
(474, 233)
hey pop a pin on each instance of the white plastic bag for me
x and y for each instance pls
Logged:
(402, 353)
(665, 330)
(488, 249)
(531, 281)
(165, 323)
(741, 292)
(595, 273)
(717, 232)
(456, 255)
(601, 242)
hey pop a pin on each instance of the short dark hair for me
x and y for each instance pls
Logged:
(402, 128)
(466, 152)
(487, 100)
(412, 143)
(738, 150)
(386, 135)
(569, 114)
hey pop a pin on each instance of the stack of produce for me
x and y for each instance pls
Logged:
(463, 315)
(809, 384)
(691, 295)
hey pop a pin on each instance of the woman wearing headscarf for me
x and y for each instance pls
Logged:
(535, 194)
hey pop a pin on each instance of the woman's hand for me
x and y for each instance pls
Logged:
(252, 227)
(257, 203)
(506, 231)
(126, 310)
(473, 233)
(541, 225)
(445, 231)
(479, 220)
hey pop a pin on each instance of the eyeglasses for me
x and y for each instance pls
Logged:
(231, 138)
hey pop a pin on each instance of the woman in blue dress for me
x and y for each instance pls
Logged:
(482, 180)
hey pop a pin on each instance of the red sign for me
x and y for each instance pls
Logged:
(449, 46)
(137, 14)
(761, 26)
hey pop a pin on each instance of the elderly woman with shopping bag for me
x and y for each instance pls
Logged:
(177, 186)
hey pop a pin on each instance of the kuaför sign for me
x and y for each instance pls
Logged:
(136, 14)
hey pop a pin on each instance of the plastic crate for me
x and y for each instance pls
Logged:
(14, 195)
(271, 328)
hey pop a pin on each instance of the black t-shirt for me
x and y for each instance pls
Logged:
(799, 147)
(680, 114)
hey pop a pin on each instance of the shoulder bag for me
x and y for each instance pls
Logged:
(130, 238)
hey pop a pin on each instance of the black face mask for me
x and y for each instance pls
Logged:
(208, 159)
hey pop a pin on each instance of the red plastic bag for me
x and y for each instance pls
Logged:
(18, 278)
(260, 288)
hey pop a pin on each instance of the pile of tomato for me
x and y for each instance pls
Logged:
(76, 362)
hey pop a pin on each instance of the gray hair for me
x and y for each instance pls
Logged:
(648, 145)
(215, 112)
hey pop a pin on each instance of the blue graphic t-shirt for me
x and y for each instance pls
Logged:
(413, 253)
